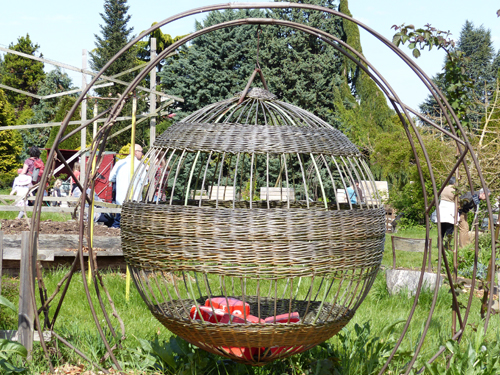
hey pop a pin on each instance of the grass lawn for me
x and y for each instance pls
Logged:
(378, 311)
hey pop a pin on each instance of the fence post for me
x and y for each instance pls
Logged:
(27, 284)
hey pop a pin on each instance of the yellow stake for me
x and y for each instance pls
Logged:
(132, 151)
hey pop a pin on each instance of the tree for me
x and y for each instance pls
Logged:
(22, 73)
(216, 65)
(298, 67)
(55, 81)
(63, 108)
(163, 41)
(115, 34)
(361, 106)
(469, 74)
(10, 143)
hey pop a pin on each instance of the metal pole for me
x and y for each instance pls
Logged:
(152, 95)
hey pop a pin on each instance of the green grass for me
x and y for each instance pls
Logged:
(379, 310)
(412, 260)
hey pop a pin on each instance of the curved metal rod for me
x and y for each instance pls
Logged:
(303, 6)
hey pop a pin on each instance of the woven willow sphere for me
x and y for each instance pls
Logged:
(247, 201)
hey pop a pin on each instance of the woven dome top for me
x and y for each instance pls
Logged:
(281, 128)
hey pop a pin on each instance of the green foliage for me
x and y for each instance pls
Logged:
(7, 114)
(466, 257)
(115, 34)
(361, 106)
(362, 352)
(469, 73)
(474, 356)
(298, 68)
(10, 349)
(63, 108)
(22, 73)
(54, 82)
(10, 144)
(163, 41)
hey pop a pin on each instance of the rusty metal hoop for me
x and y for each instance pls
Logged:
(456, 133)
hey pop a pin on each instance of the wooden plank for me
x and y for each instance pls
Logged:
(15, 254)
(85, 71)
(60, 210)
(13, 336)
(62, 242)
(27, 280)
(277, 194)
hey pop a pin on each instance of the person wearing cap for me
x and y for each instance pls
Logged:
(468, 202)
(120, 175)
(21, 187)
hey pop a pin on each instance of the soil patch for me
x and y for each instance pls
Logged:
(54, 227)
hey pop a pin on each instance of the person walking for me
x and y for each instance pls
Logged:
(447, 210)
(120, 176)
(21, 187)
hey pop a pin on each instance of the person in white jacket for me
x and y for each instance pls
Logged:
(21, 187)
(447, 210)
(120, 175)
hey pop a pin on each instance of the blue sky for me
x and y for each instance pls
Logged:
(63, 28)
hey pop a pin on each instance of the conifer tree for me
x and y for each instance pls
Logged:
(10, 143)
(298, 67)
(22, 73)
(479, 66)
(115, 34)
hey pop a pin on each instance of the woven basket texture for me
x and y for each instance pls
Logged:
(253, 201)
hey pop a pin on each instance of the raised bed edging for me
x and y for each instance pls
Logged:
(64, 248)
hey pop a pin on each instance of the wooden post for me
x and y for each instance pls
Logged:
(83, 133)
(27, 284)
(96, 112)
(1, 259)
(152, 95)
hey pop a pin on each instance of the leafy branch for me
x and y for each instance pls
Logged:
(457, 82)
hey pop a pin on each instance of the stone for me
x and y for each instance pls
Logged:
(407, 280)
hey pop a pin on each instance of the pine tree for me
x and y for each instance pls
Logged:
(298, 67)
(216, 65)
(22, 73)
(115, 34)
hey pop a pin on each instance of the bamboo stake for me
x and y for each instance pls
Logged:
(132, 152)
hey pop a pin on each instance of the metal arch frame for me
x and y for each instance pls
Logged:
(401, 109)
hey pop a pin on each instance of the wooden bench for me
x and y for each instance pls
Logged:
(411, 245)
(277, 194)
(221, 193)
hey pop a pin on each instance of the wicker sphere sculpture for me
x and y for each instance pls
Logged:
(238, 232)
